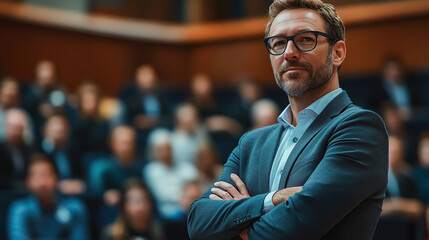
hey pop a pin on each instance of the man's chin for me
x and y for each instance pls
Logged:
(294, 88)
(294, 76)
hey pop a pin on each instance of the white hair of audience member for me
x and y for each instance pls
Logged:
(164, 177)
(188, 134)
(264, 113)
(157, 137)
(18, 119)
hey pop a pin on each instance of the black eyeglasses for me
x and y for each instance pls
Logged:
(305, 41)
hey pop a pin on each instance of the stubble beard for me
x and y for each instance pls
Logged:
(294, 88)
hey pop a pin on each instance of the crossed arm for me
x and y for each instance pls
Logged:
(225, 191)
(353, 170)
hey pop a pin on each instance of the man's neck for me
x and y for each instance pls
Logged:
(301, 102)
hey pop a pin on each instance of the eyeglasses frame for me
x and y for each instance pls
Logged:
(292, 37)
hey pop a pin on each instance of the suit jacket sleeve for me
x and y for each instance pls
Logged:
(216, 219)
(353, 169)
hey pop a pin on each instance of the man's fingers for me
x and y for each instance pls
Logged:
(243, 234)
(215, 197)
(222, 194)
(227, 191)
(240, 185)
(228, 187)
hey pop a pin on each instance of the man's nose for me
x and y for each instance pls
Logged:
(291, 52)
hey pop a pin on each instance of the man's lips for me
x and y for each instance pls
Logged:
(293, 69)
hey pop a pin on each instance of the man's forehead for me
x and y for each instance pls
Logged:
(293, 19)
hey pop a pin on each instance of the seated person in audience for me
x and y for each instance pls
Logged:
(188, 134)
(16, 148)
(208, 166)
(146, 107)
(90, 131)
(401, 193)
(126, 163)
(166, 177)
(45, 214)
(397, 88)
(9, 98)
(56, 144)
(177, 230)
(392, 118)
(202, 96)
(212, 114)
(421, 171)
(264, 113)
(136, 219)
(249, 92)
(407, 131)
(45, 97)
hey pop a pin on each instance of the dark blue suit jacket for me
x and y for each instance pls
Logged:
(341, 162)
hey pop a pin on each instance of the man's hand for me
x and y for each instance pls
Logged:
(225, 191)
(283, 195)
(243, 234)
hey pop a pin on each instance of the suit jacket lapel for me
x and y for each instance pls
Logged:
(268, 153)
(333, 109)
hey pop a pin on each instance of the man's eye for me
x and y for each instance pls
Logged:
(306, 40)
(278, 44)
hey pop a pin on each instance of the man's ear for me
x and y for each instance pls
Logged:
(338, 53)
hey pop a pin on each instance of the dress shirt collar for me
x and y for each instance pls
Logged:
(285, 118)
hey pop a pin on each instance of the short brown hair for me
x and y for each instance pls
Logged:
(333, 23)
(37, 158)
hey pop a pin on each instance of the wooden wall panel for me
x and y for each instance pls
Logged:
(108, 61)
(367, 44)
(231, 60)
(111, 61)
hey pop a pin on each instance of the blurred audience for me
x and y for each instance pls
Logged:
(393, 119)
(16, 148)
(401, 200)
(264, 113)
(145, 106)
(45, 97)
(249, 93)
(188, 134)
(177, 230)
(90, 130)
(397, 88)
(421, 171)
(9, 98)
(208, 166)
(45, 214)
(126, 163)
(136, 219)
(57, 145)
(88, 161)
(202, 96)
(166, 177)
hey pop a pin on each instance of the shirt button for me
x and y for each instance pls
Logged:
(295, 140)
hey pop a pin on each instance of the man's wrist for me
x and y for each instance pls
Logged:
(268, 202)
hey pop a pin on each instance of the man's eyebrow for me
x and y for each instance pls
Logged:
(295, 32)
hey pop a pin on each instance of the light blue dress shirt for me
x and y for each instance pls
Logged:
(291, 136)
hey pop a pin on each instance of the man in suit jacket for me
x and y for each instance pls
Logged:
(321, 172)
